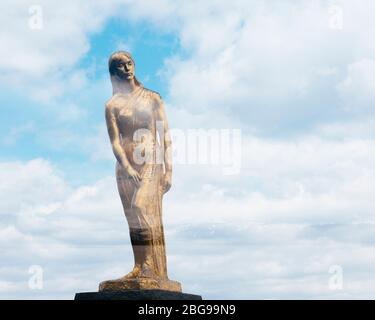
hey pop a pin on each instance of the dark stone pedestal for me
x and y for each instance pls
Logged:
(136, 295)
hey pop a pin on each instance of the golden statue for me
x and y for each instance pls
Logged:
(138, 130)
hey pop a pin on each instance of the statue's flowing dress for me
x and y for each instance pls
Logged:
(137, 113)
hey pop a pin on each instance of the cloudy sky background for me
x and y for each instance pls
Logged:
(298, 80)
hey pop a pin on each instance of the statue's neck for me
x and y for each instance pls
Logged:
(123, 86)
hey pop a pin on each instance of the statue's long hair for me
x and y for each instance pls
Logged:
(115, 58)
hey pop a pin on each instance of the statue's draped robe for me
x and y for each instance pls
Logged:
(143, 204)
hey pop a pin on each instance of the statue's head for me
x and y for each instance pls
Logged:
(121, 65)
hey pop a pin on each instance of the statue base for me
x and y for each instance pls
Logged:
(140, 284)
(136, 295)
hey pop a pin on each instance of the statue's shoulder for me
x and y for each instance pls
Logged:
(110, 102)
(113, 102)
(152, 94)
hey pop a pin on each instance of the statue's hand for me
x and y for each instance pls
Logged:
(167, 182)
(133, 174)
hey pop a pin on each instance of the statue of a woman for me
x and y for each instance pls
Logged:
(138, 130)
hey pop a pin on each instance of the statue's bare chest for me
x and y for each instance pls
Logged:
(136, 114)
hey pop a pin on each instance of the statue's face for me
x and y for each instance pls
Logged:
(125, 68)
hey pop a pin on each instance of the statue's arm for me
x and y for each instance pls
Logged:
(114, 136)
(167, 152)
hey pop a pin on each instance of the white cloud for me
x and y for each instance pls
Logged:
(36, 181)
(273, 67)
(42, 62)
(357, 89)
(61, 41)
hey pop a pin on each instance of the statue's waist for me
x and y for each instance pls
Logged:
(138, 146)
(141, 152)
(138, 140)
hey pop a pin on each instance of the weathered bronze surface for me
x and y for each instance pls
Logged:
(138, 131)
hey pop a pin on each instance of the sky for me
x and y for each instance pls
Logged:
(285, 211)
